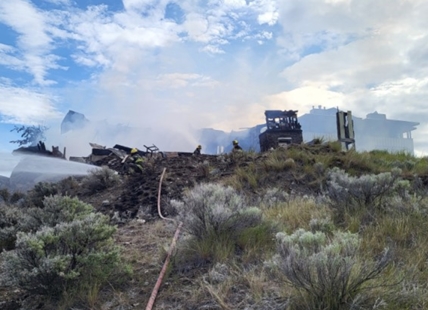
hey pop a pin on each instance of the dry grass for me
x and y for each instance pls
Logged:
(245, 282)
(297, 213)
(245, 178)
(406, 234)
(144, 247)
(231, 287)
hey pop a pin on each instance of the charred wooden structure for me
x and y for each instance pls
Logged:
(40, 150)
(282, 128)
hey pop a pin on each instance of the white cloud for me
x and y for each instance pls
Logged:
(339, 22)
(7, 59)
(303, 98)
(5, 48)
(138, 4)
(59, 2)
(383, 70)
(104, 37)
(212, 49)
(20, 106)
(206, 69)
(196, 25)
(234, 3)
(357, 64)
(178, 80)
(33, 41)
(269, 18)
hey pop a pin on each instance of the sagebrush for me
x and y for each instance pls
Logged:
(71, 249)
(326, 270)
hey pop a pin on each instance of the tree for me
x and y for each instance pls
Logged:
(30, 134)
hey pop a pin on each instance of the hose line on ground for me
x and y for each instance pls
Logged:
(171, 249)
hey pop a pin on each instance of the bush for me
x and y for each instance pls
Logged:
(272, 197)
(56, 209)
(366, 191)
(68, 186)
(5, 194)
(59, 259)
(36, 196)
(16, 197)
(324, 225)
(220, 222)
(100, 179)
(213, 209)
(41, 190)
(418, 188)
(325, 271)
(11, 219)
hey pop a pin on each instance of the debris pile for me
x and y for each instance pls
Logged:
(138, 194)
(40, 150)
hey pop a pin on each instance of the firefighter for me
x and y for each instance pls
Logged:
(236, 146)
(134, 162)
(197, 151)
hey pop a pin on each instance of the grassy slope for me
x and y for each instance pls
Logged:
(208, 280)
(203, 276)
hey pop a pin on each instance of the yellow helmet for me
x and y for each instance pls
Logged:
(134, 150)
(235, 142)
(199, 146)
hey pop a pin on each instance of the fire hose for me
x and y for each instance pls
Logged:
(171, 249)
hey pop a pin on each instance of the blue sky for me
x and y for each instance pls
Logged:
(187, 64)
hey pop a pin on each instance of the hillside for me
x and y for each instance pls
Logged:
(310, 227)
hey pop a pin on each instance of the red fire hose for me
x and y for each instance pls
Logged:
(171, 249)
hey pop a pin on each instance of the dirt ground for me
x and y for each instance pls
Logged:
(146, 238)
(137, 195)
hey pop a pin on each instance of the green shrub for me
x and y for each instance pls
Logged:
(100, 179)
(213, 209)
(257, 238)
(327, 271)
(68, 186)
(366, 191)
(56, 209)
(219, 221)
(16, 197)
(418, 188)
(324, 225)
(11, 219)
(41, 190)
(272, 197)
(60, 259)
(4, 194)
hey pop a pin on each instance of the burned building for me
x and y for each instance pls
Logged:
(375, 132)
(282, 127)
(73, 120)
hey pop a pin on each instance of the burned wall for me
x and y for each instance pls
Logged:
(269, 139)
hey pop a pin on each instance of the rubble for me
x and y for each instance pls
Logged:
(137, 198)
(40, 150)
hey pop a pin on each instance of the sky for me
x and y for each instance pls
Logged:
(177, 65)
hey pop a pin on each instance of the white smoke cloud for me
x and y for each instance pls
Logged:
(221, 65)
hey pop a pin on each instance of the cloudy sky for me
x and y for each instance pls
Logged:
(184, 64)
